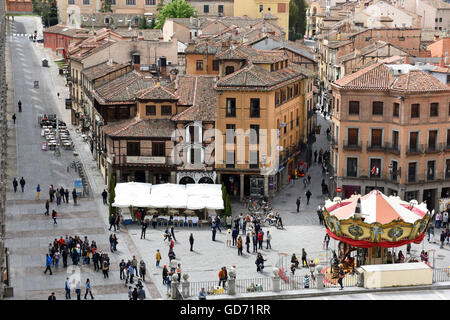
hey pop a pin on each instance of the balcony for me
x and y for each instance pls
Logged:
(375, 148)
(395, 149)
(432, 149)
(352, 146)
(445, 147)
(411, 150)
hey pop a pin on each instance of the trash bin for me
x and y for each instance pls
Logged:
(44, 62)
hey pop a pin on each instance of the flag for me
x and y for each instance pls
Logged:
(375, 170)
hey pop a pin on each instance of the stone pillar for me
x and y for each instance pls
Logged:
(276, 284)
(219, 178)
(319, 277)
(173, 177)
(241, 185)
(174, 287)
(266, 185)
(147, 176)
(154, 179)
(185, 288)
(420, 195)
(231, 287)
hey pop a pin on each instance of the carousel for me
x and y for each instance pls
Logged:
(370, 227)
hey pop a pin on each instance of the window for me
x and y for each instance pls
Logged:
(130, 2)
(136, 58)
(261, 8)
(150, 2)
(106, 20)
(277, 98)
(166, 110)
(337, 105)
(377, 108)
(432, 137)
(401, 38)
(431, 169)
(376, 138)
(220, 8)
(394, 170)
(412, 172)
(353, 107)
(296, 90)
(150, 110)
(133, 149)
(447, 169)
(230, 133)
(434, 109)
(158, 149)
(283, 95)
(254, 108)
(448, 138)
(396, 110)
(206, 8)
(415, 110)
(71, 2)
(375, 168)
(352, 167)
(395, 140)
(231, 107)
(215, 65)
(353, 136)
(254, 139)
(413, 141)
(229, 70)
(199, 64)
(86, 2)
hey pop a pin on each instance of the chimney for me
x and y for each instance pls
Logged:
(436, 37)
(442, 63)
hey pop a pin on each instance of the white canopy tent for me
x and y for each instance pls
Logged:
(169, 195)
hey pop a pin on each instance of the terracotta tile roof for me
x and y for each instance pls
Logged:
(156, 93)
(201, 97)
(102, 69)
(122, 89)
(65, 30)
(380, 77)
(252, 55)
(208, 47)
(417, 80)
(254, 78)
(136, 127)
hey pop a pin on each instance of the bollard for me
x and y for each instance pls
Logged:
(319, 277)
(276, 284)
(231, 287)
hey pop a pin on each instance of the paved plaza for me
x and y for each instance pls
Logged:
(29, 232)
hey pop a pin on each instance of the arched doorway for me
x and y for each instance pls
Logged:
(206, 180)
(187, 180)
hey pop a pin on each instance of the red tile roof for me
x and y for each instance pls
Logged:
(136, 127)
(156, 93)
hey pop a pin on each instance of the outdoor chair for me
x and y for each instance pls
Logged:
(190, 223)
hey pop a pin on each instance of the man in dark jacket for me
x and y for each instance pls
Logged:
(15, 184)
(247, 242)
(74, 196)
(442, 238)
(298, 204)
(105, 196)
(22, 183)
(255, 242)
(234, 235)
(144, 228)
(191, 241)
(112, 222)
(308, 195)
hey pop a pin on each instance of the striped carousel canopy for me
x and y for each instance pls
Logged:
(377, 207)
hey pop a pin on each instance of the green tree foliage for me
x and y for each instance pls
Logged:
(297, 19)
(106, 6)
(112, 194)
(47, 10)
(143, 23)
(226, 202)
(175, 9)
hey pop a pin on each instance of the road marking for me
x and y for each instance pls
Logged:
(440, 295)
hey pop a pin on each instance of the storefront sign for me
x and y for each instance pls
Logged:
(146, 160)
(78, 185)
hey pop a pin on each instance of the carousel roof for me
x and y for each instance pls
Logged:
(377, 207)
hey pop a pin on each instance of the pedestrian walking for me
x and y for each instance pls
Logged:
(143, 229)
(260, 239)
(213, 230)
(141, 293)
(326, 241)
(51, 193)
(255, 242)
(67, 288)
(445, 219)
(52, 296)
(14, 118)
(304, 261)
(442, 238)
(134, 264)
(78, 289)
(66, 195)
(165, 273)
(19, 104)
(191, 241)
(56, 257)
(58, 197)
(308, 195)
(142, 270)
(158, 258)
(15, 184)
(234, 235)
(38, 192)
(22, 183)
(105, 268)
(118, 221)
(268, 238)
(74, 196)
(61, 194)
(131, 273)
(88, 289)
(112, 222)
(247, 242)
(57, 94)
(239, 246)
(96, 260)
(135, 294)
(48, 264)
(172, 232)
(298, 204)
(47, 208)
(122, 266)
(54, 215)
(228, 238)
(105, 196)
(341, 276)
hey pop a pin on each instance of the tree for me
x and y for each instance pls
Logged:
(47, 10)
(143, 23)
(112, 194)
(106, 6)
(297, 19)
(226, 201)
(175, 9)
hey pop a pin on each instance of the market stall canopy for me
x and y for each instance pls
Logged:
(134, 194)
(169, 195)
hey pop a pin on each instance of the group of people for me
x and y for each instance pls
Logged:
(58, 194)
(78, 250)
(295, 262)
(16, 184)
(75, 283)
